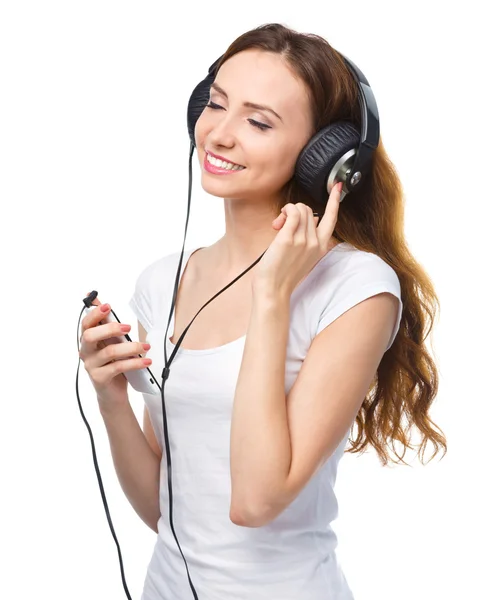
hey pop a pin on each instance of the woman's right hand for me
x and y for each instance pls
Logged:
(98, 353)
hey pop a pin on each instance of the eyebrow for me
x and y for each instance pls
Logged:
(249, 104)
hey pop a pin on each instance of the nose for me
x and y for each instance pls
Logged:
(221, 132)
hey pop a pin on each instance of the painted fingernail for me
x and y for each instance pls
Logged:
(104, 308)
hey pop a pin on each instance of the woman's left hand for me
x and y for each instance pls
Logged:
(299, 245)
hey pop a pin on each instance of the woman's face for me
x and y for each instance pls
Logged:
(266, 145)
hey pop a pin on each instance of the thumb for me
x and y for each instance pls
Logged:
(279, 222)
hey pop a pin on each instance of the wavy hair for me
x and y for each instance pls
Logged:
(372, 220)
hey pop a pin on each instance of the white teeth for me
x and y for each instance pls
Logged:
(223, 164)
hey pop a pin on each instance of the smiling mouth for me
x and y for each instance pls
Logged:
(222, 164)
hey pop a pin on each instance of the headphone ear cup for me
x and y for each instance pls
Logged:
(197, 103)
(321, 154)
(198, 100)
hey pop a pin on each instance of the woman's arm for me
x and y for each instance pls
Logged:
(136, 463)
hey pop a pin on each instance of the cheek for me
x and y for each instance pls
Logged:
(282, 164)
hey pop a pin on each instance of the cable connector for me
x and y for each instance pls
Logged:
(88, 301)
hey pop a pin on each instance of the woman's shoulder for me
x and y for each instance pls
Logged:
(167, 262)
(345, 261)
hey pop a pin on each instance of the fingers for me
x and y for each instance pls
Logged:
(117, 352)
(98, 333)
(95, 352)
(103, 376)
(95, 328)
(300, 235)
(95, 315)
(327, 225)
(279, 221)
(296, 216)
(311, 227)
(309, 222)
(305, 231)
(106, 361)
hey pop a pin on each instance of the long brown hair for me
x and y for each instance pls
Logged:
(372, 220)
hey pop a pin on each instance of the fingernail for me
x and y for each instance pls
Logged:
(104, 307)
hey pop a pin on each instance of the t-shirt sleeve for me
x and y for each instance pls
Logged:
(350, 288)
(141, 300)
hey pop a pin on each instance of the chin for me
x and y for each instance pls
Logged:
(213, 189)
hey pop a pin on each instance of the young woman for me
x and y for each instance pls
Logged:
(327, 330)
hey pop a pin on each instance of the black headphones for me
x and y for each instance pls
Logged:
(338, 152)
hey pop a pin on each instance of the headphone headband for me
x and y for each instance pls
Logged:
(370, 122)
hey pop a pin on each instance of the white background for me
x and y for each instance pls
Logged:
(93, 186)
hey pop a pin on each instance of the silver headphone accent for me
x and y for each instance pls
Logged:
(341, 171)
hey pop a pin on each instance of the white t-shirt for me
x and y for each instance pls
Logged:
(293, 557)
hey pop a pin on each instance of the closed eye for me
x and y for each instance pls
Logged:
(261, 126)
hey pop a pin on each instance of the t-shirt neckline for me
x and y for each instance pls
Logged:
(223, 347)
